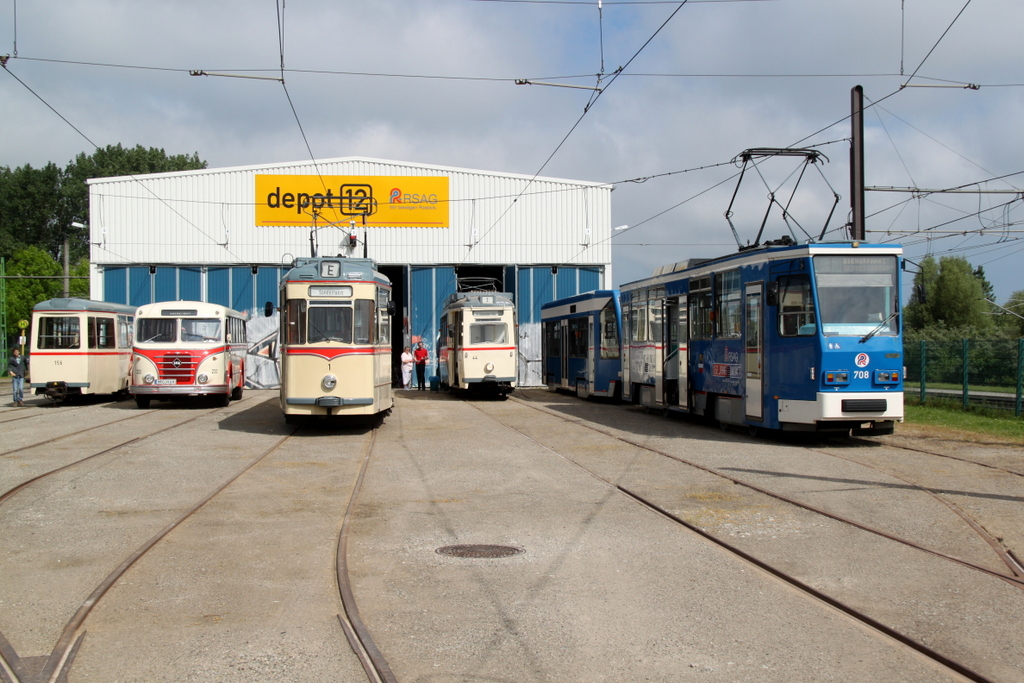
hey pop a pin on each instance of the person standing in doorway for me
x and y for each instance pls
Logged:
(407, 363)
(421, 354)
(16, 367)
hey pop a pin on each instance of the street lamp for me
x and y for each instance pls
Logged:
(67, 265)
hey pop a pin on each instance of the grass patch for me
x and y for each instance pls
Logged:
(950, 415)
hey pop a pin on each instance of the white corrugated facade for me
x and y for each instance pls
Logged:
(203, 235)
(206, 217)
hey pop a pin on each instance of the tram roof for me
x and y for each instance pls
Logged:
(477, 300)
(767, 252)
(74, 304)
(352, 269)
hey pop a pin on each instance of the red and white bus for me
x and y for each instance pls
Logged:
(188, 348)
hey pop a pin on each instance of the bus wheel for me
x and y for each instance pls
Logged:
(142, 401)
(236, 393)
(223, 400)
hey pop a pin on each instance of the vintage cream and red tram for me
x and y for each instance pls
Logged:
(335, 342)
(188, 348)
(477, 349)
(79, 347)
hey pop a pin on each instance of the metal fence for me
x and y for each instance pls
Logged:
(974, 372)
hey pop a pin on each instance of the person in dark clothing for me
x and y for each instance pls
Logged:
(421, 354)
(16, 367)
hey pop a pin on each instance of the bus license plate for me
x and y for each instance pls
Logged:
(166, 381)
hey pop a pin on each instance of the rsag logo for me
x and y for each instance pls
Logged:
(862, 360)
(398, 197)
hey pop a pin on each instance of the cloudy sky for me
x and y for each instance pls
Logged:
(433, 82)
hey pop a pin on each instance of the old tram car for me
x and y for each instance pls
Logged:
(477, 349)
(790, 337)
(335, 342)
(80, 347)
(582, 335)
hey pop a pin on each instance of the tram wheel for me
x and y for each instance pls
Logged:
(142, 401)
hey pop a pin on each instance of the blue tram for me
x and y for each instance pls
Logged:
(581, 350)
(784, 336)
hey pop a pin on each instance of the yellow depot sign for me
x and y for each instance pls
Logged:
(377, 201)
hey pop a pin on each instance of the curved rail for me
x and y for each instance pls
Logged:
(359, 638)
(59, 662)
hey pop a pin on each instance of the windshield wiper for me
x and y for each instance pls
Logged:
(878, 329)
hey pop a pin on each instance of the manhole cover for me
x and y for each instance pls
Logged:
(479, 551)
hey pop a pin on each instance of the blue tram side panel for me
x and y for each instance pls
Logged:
(783, 337)
(582, 344)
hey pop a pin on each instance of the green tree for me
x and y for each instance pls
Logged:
(38, 206)
(953, 298)
(23, 294)
(1015, 305)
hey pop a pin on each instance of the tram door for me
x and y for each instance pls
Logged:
(683, 357)
(754, 352)
(675, 352)
(563, 341)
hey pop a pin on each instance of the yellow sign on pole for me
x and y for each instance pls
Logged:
(374, 201)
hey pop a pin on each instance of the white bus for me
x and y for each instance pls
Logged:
(188, 348)
(79, 347)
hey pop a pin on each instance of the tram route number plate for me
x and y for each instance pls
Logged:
(166, 381)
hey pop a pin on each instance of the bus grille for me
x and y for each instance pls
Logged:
(864, 405)
(180, 367)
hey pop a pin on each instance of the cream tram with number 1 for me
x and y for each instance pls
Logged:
(79, 347)
(335, 343)
(188, 348)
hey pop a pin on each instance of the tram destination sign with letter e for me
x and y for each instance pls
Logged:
(374, 201)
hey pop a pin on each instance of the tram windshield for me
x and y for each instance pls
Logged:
(857, 295)
(340, 322)
(488, 333)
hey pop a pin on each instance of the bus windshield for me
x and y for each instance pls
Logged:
(165, 330)
(857, 295)
(200, 330)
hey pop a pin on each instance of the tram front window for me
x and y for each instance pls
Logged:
(487, 333)
(330, 323)
(857, 295)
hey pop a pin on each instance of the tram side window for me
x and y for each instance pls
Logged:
(796, 306)
(701, 320)
(294, 321)
(59, 333)
(101, 333)
(638, 323)
(124, 332)
(609, 335)
(364, 321)
(728, 305)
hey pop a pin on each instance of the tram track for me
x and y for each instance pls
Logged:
(851, 611)
(1013, 578)
(26, 447)
(61, 658)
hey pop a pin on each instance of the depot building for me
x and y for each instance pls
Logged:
(227, 236)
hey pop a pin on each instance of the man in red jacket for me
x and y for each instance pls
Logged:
(420, 355)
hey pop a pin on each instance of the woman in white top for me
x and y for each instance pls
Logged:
(407, 363)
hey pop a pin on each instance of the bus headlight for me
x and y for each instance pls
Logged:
(149, 379)
(203, 379)
(489, 367)
(330, 381)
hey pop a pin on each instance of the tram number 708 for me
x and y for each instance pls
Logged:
(861, 374)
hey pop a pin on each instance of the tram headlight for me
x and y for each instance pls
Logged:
(837, 377)
(330, 381)
(489, 367)
(149, 379)
(203, 378)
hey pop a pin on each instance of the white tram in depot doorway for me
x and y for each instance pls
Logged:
(477, 349)
(335, 341)
(80, 347)
(188, 348)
